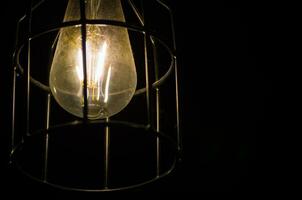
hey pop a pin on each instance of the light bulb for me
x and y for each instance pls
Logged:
(111, 73)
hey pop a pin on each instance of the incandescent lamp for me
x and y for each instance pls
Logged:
(110, 66)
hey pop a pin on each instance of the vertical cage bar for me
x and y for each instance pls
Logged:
(152, 123)
(107, 147)
(13, 142)
(48, 107)
(13, 111)
(147, 80)
(148, 95)
(47, 139)
(155, 60)
(147, 40)
(14, 87)
(179, 139)
(28, 69)
(157, 129)
(148, 71)
(177, 106)
(84, 55)
(28, 91)
(179, 143)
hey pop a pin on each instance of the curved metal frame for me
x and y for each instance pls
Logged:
(138, 91)
(144, 129)
(148, 35)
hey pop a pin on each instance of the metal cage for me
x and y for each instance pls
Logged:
(99, 149)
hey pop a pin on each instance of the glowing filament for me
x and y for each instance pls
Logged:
(96, 58)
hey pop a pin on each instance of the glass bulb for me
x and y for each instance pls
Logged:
(111, 73)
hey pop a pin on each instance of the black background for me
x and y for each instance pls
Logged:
(225, 85)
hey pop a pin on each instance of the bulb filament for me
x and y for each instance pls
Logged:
(96, 60)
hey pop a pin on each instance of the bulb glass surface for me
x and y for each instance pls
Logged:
(111, 73)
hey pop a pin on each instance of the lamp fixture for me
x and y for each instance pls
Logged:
(107, 70)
